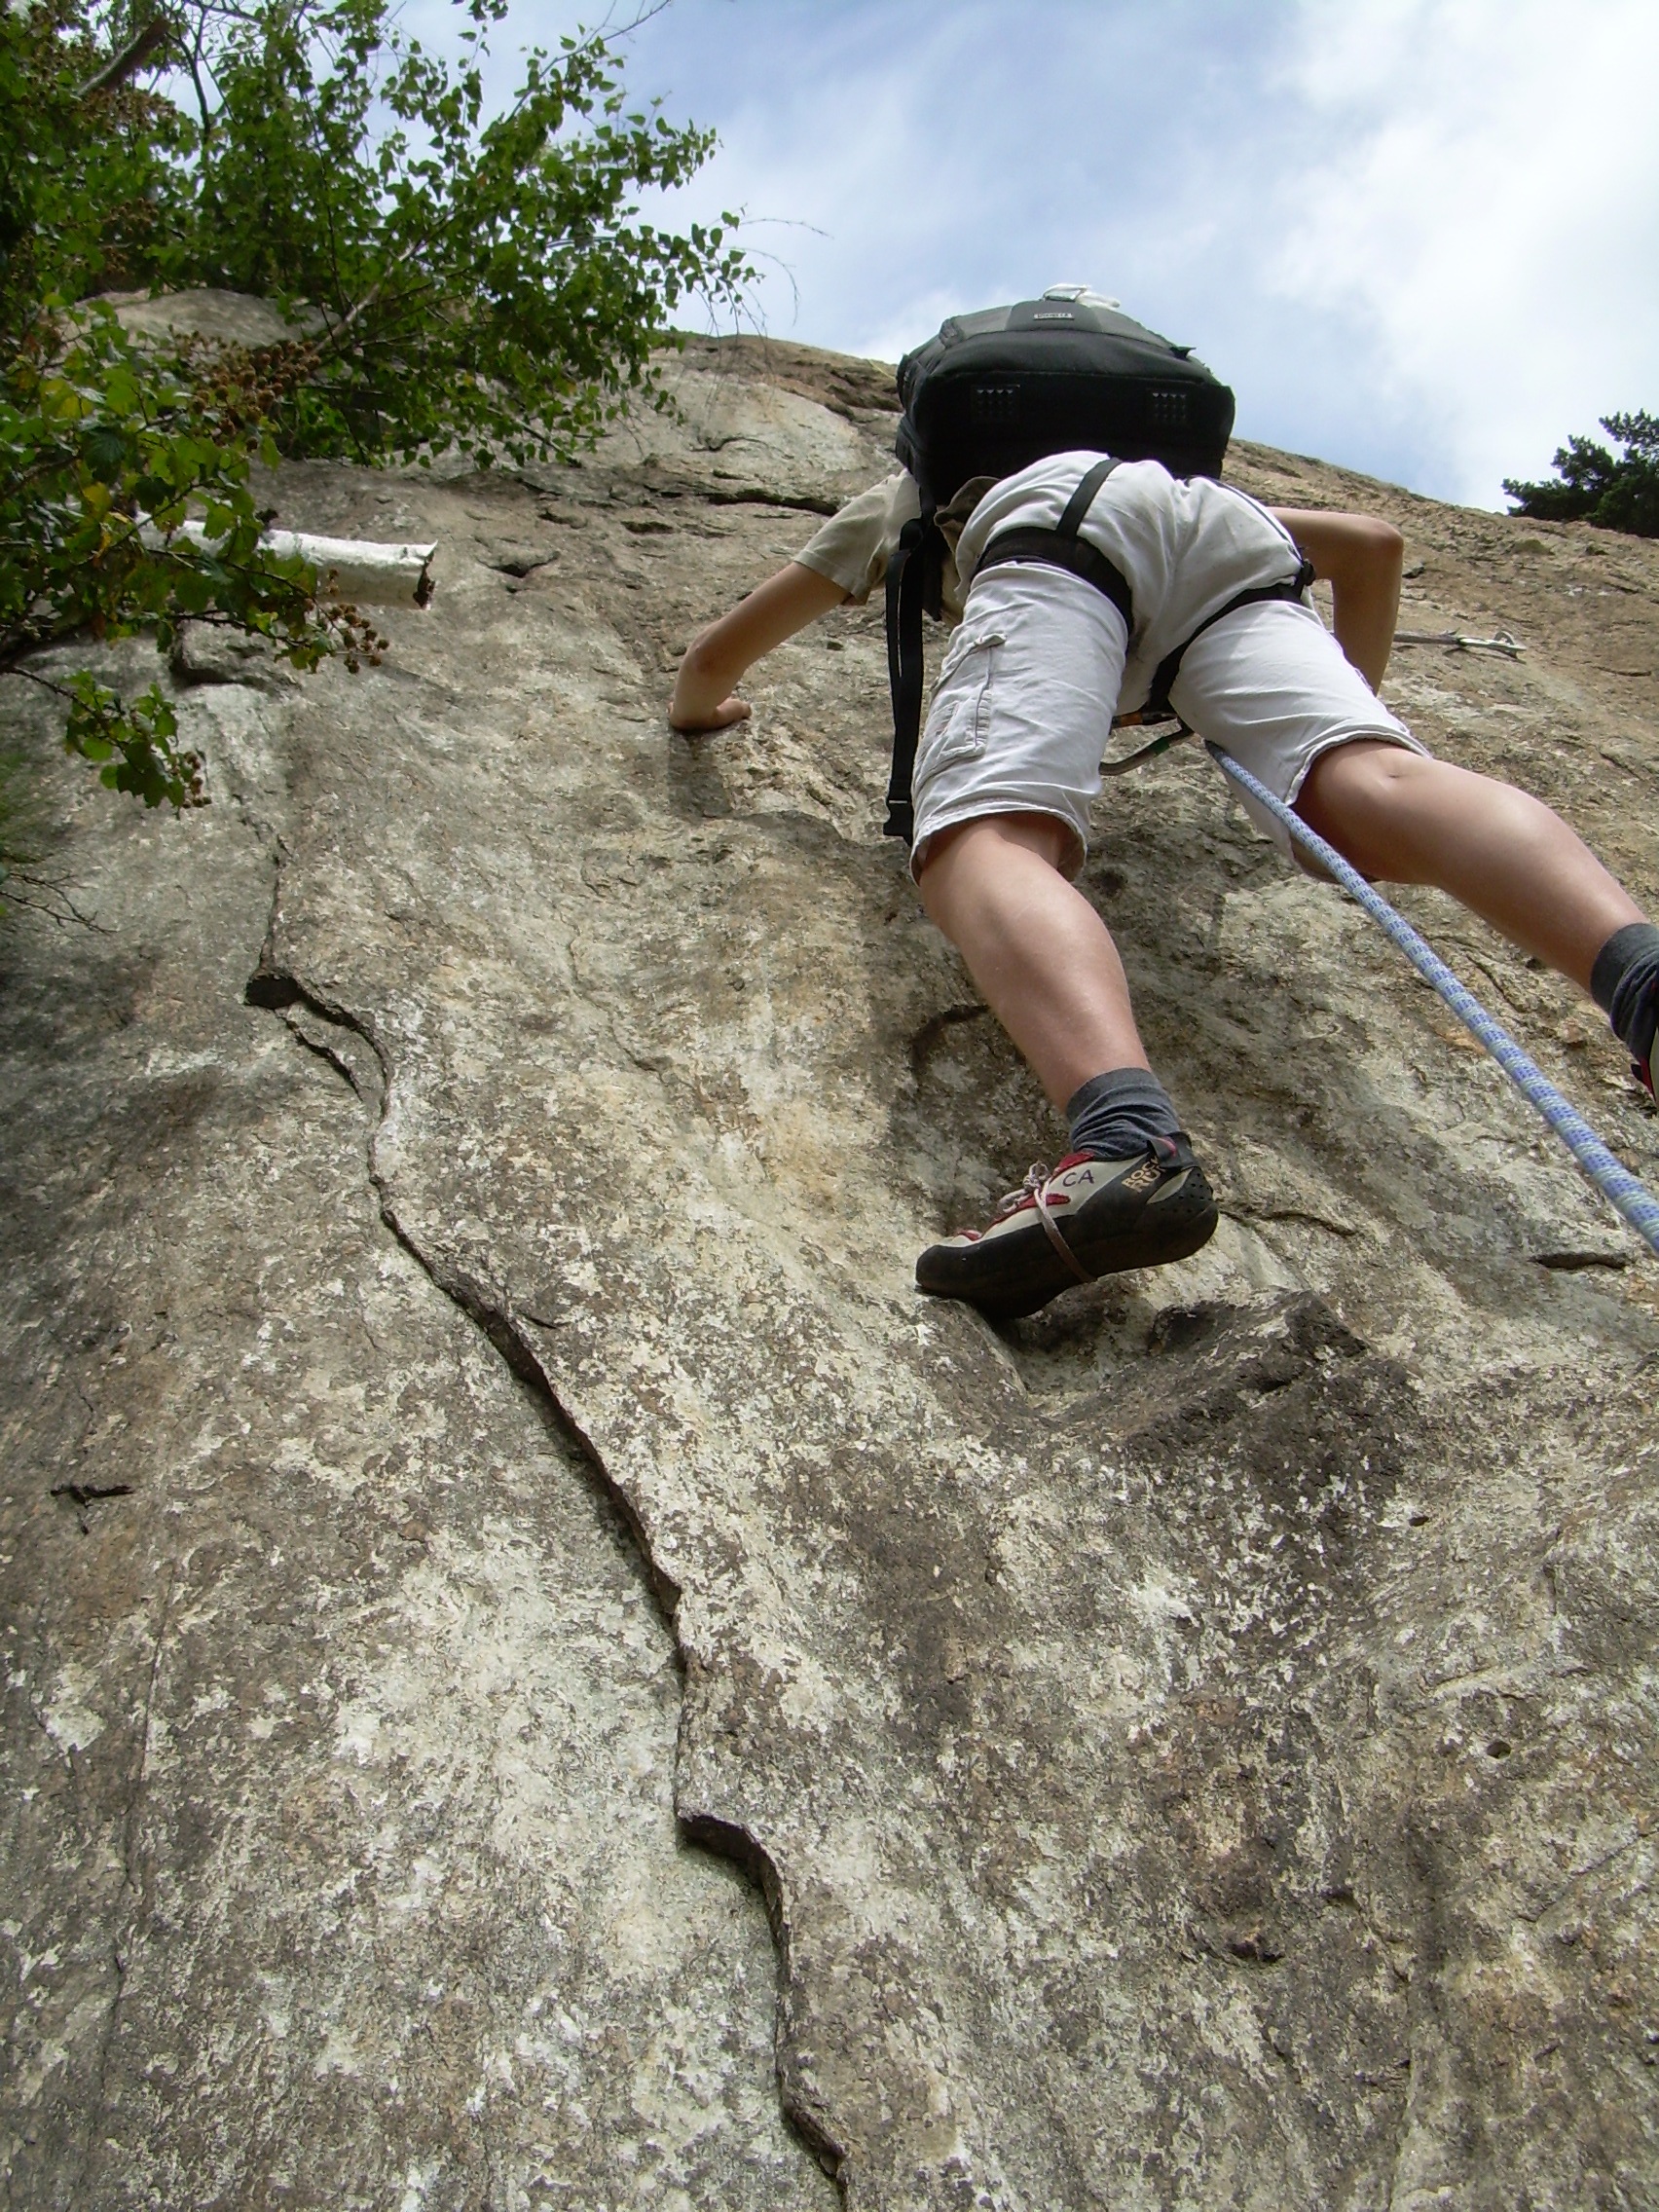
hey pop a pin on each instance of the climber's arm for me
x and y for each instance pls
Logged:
(705, 689)
(1360, 557)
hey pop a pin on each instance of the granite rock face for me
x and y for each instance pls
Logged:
(465, 1386)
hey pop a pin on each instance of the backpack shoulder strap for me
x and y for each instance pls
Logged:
(907, 592)
(1082, 499)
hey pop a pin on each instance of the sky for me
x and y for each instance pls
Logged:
(1419, 237)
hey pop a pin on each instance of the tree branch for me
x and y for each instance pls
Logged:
(130, 59)
(42, 895)
(357, 570)
(338, 330)
(30, 676)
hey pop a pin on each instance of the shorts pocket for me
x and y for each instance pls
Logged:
(959, 732)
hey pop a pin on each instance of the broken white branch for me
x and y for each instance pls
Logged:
(358, 570)
(354, 569)
(1500, 643)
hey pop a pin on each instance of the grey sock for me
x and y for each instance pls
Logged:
(1114, 1114)
(1625, 984)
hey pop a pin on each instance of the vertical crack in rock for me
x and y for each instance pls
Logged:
(325, 1026)
(134, 1888)
(727, 1840)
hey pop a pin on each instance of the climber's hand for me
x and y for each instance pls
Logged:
(731, 709)
(704, 691)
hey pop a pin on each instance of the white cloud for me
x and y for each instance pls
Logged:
(1417, 236)
(1491, 218)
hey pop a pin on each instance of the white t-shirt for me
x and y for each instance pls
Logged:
(1187, 545)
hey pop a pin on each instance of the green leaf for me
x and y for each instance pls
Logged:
(492, 287)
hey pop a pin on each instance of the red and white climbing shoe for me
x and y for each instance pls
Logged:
(1086, 1218)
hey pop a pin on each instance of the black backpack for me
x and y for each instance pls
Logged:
(997, 390)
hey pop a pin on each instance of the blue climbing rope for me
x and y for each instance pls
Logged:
(1610, 1176)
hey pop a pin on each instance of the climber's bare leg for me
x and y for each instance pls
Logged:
(1034, 945)
(1400, 817)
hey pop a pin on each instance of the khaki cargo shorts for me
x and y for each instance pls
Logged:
(1021, 714)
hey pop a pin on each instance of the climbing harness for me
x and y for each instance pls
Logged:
(913, 585)
(1063, 548)
(1629, 1197)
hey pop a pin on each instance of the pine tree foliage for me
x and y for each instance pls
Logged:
(1594, 485)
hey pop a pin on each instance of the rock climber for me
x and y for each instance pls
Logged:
(1009, 765)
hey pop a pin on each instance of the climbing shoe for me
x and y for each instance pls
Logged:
(1088, 1217)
